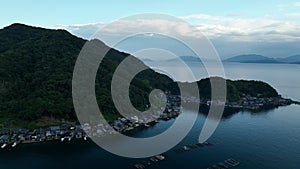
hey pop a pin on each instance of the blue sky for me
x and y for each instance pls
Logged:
(267, 27)
(50, 13)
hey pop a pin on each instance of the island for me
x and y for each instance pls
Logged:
(254, 58)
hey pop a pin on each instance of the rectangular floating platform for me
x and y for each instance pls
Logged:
(192, 146)
(150, 161)
(229, 163)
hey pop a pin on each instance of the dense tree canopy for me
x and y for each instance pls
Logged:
(36, 67)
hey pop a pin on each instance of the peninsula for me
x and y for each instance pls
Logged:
(36, 67)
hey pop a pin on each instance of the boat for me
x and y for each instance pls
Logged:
(69, 138)
(62, 139)
(186, 148)
(14, 145)
(85, 138)
(4, 145)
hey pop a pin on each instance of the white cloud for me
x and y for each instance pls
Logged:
(293, 14)
(214, 27)
(239, 29)
(201, 16)
(297, 4)
(82, 30)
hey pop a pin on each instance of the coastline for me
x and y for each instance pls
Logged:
(66, 133)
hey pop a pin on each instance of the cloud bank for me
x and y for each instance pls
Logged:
(248, 35)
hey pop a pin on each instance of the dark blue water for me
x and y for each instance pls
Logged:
(262, 140)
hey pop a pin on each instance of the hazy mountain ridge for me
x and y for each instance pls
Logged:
(249, 58)
(253, 58)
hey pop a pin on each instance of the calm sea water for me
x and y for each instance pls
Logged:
(262, 140)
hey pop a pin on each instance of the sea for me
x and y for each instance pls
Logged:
(268, 139)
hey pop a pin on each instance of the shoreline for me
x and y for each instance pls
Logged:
(66, 133)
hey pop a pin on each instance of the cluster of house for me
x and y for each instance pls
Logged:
(145, 119)
(254, 103)
(246, 102)
(12, 137)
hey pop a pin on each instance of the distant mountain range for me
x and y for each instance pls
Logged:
(253, 58)
(186, 59)
(180, 58)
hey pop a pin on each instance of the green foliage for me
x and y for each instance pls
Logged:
(239, 88)
(36, 67)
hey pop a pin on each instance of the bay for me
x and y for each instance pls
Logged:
(263, 140)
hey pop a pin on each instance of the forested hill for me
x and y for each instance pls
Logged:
(36, 68)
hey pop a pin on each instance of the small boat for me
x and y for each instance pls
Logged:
(14, 145)
(69, 138)
(62, 139)
(4, 145)
(85, 138)
(186, 148)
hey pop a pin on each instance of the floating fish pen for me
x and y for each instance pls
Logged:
(192, 146)
(150, 161)
(229, 163)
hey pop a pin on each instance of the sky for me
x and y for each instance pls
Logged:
(267, 27)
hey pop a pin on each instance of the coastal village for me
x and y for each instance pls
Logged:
(10, 138)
